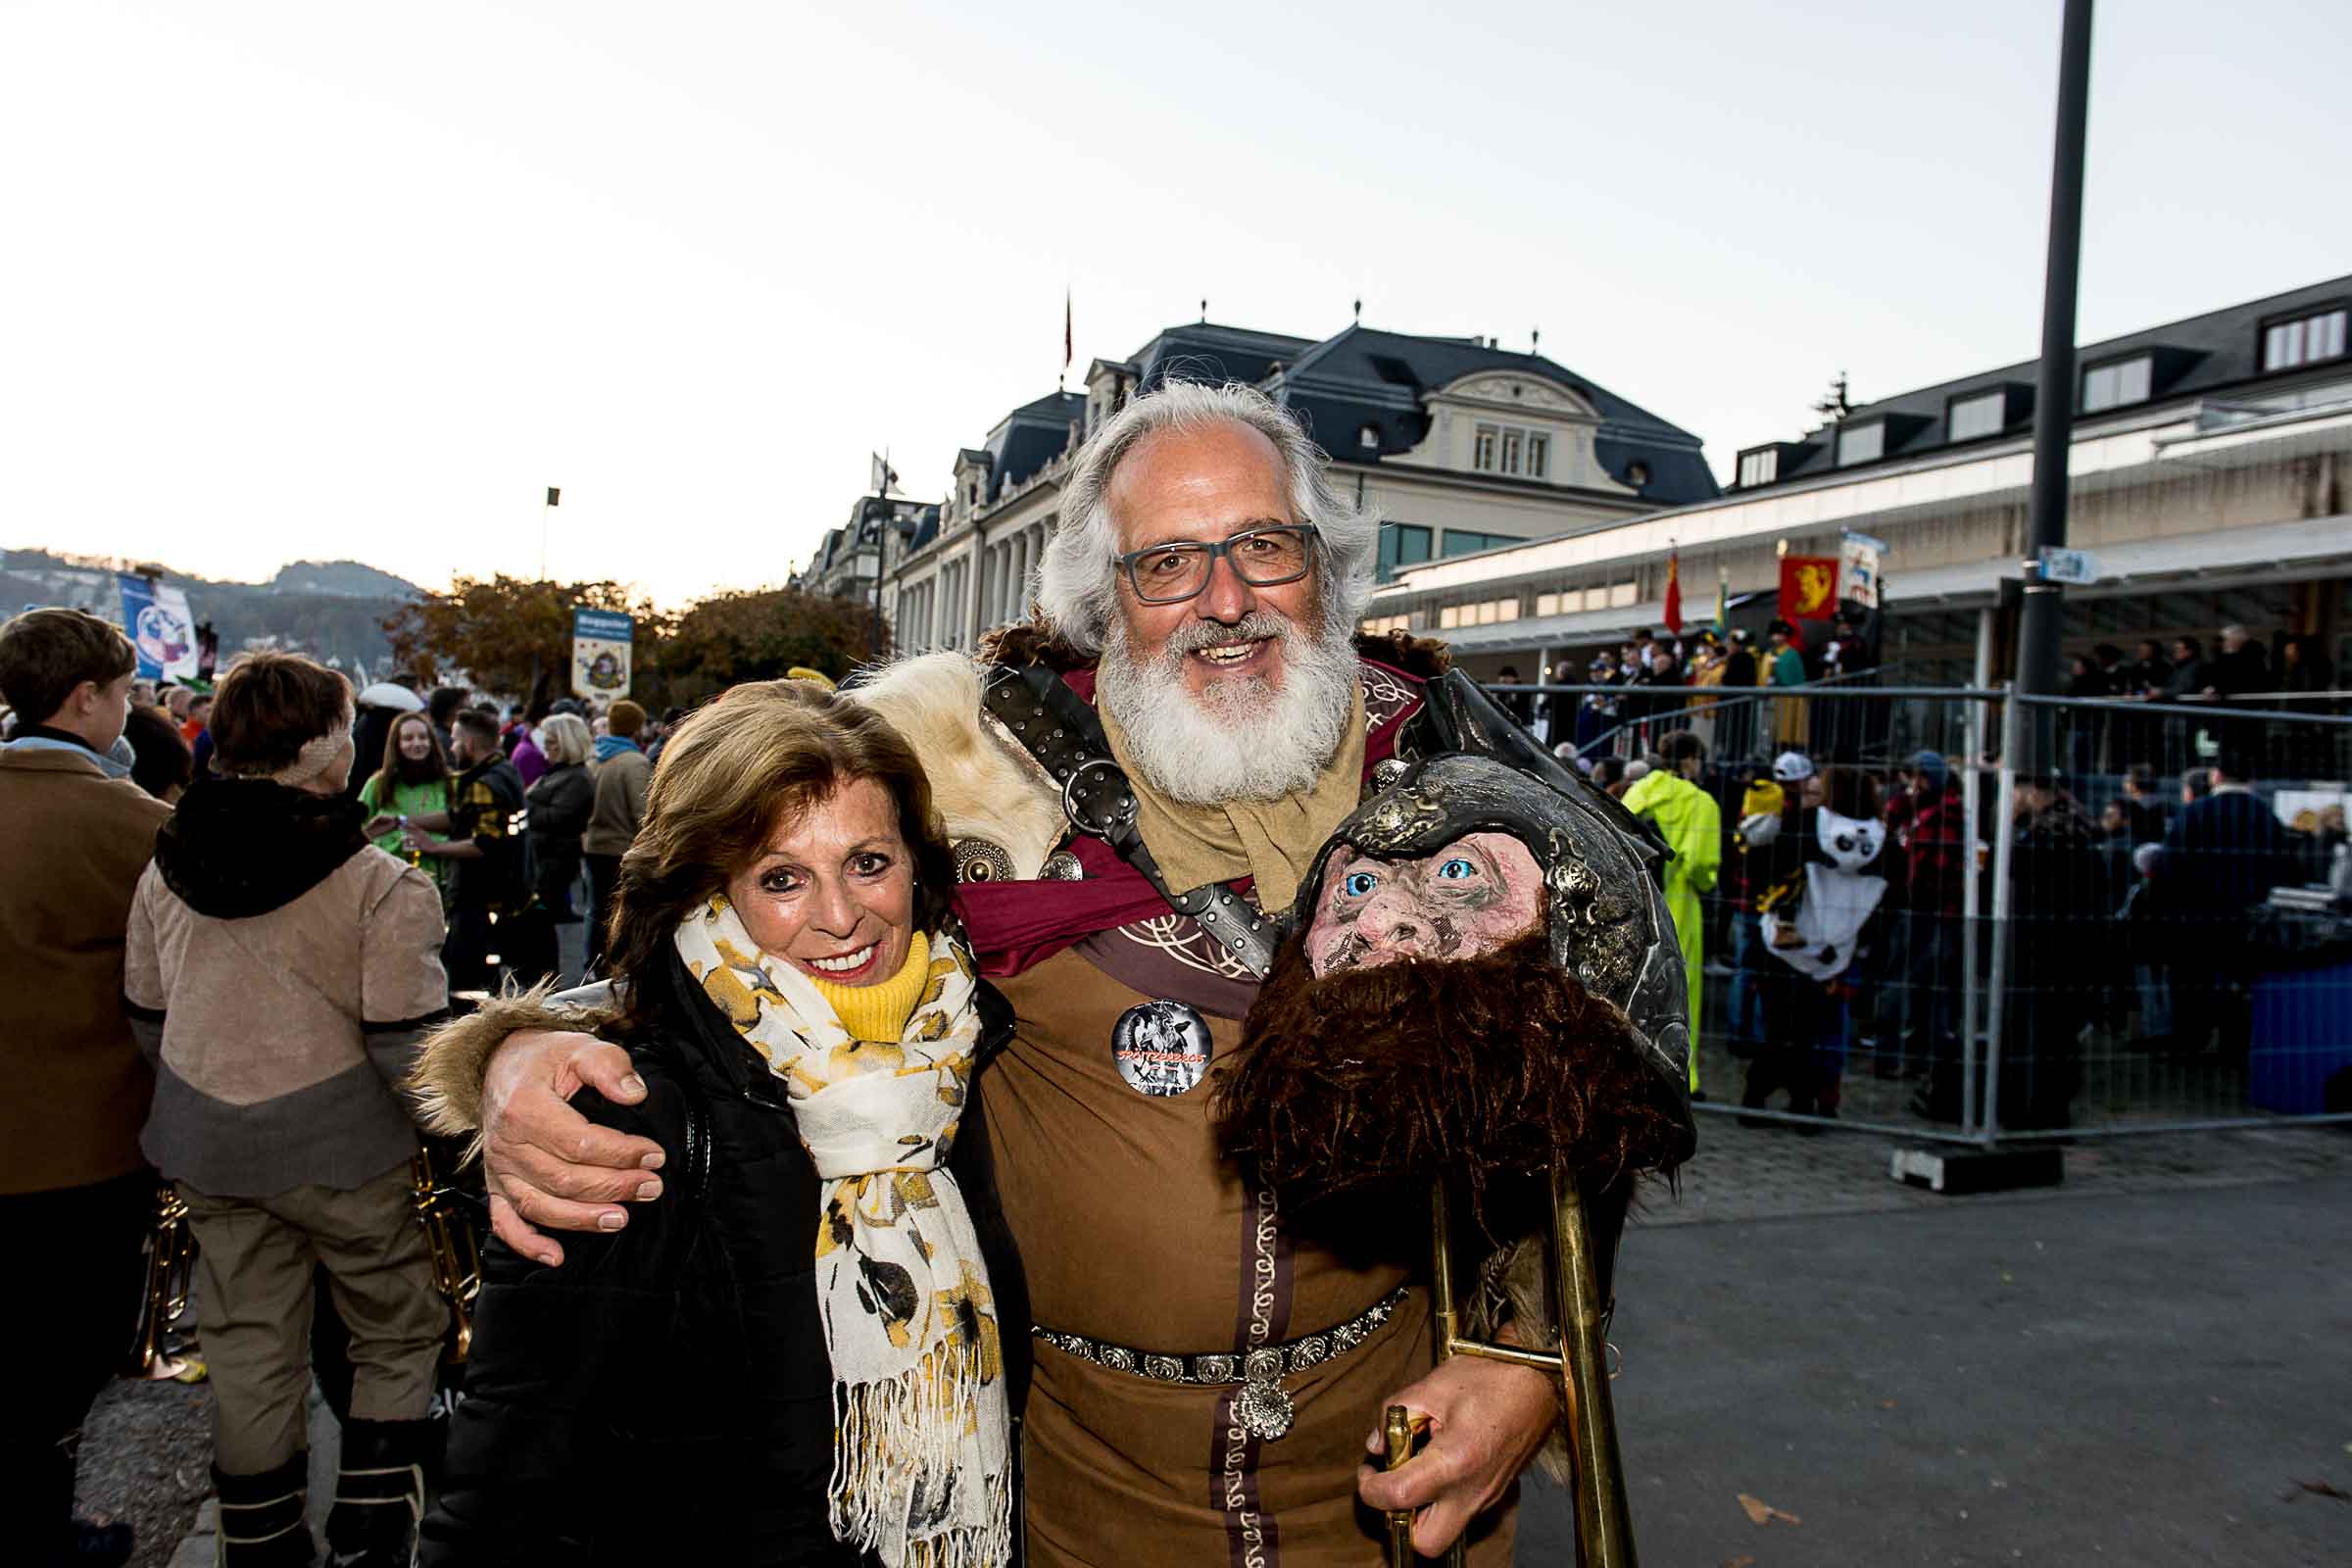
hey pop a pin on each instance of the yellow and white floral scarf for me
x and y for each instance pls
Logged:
(921, 1468)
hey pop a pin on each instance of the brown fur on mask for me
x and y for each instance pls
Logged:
(1405, 1072)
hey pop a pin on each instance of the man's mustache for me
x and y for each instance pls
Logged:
(1198, 634)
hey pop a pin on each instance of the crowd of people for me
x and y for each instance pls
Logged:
(1723, 686)
(1833, 899)
(230, 918)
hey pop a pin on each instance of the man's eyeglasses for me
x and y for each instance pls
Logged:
(1263, 558)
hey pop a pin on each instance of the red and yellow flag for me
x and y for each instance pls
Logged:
(1808, 587)
(1674, 592)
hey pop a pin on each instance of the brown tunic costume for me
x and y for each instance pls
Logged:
(1133, 1231)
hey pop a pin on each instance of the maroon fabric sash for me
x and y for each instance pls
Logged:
(1016, 925)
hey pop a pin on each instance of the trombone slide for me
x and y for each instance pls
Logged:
(1604, 1527)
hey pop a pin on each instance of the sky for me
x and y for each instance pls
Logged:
(295, 281)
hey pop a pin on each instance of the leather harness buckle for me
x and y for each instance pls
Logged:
(1108, 824)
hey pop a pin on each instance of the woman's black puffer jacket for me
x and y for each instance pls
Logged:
(561, 803)
(665, 1395)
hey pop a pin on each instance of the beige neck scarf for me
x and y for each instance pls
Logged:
(1272, 841)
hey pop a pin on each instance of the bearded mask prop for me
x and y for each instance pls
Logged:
(1479, 976)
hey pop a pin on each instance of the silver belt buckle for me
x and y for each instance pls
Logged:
(1265, 1409)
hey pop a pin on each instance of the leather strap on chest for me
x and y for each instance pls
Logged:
(1055, 727)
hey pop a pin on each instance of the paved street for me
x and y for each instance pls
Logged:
(2138, 1368)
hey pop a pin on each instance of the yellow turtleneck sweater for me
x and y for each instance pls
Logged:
(879, 1011)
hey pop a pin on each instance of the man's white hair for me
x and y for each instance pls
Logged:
(1078, 586)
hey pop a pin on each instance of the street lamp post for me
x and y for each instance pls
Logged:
(2042, 622)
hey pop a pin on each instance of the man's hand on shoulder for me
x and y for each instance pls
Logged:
(543, 1162)
(1486, 1420)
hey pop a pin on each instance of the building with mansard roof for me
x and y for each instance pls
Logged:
(882, 531)
(2209, 465)
(1460, 444)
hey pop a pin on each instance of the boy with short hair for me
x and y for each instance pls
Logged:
(75, 1194)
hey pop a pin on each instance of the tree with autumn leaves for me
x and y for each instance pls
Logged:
(511, 635)
(761, 634)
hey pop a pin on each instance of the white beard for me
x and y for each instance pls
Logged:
(1244, 737)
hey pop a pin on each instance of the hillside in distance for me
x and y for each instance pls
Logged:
(330, 610)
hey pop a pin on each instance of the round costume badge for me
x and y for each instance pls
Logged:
(1160, 1048)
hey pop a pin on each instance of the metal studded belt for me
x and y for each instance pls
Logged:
(1264, 1407)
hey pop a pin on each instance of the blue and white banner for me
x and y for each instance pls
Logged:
(600, 652)
(156, 616)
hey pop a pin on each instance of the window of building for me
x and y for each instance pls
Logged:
(1482, 456)
(1462, 541)
(1512, 442)
(1379, 625)
(1621, 595)
(1985, 414)
(1403, 544)
(2113, 386)
(1548, 604)
(1368, 438)
(2304, 340)
(1759, 467)
(1862, 443)
(1539, 449)
(1450, 618)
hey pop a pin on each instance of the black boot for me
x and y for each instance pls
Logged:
(262, 1517)
(379, 1493)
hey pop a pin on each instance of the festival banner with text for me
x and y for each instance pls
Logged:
(600, 652)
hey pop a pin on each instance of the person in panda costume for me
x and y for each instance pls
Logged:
(1822, 887)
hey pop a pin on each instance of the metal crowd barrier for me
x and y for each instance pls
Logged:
(2097, 957)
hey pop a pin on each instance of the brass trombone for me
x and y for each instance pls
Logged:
(1605, 1525)
(455, 1248)
(170, 1252)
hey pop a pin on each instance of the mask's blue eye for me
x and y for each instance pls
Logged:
(1455, 869)
(1359, 884)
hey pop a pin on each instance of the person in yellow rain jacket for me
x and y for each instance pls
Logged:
(1693, 827)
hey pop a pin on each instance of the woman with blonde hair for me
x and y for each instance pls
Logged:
(796, 1340)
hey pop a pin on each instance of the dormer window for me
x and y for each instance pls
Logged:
(1508, 449)
(1759, 467)
(1862, 443)
(2304, 340)
(1985, 414)
(2119, 383)
(1368, 438)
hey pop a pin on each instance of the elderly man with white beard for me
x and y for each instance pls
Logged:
(1209, 1377)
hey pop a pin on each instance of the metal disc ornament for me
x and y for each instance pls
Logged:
(1264, 1410)
(1161, 1048)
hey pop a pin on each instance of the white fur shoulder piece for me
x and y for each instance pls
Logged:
(984, 785)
